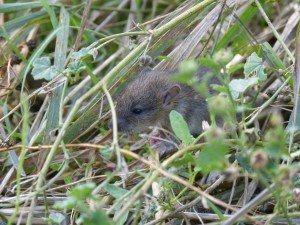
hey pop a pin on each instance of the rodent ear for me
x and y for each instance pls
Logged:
(145, 71)
(170, 94)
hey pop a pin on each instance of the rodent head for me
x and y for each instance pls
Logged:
(146, 101)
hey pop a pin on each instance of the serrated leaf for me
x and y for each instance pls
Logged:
(180, 127)
(115, 191)
(238, 86)
(42, 69)
(255, 66)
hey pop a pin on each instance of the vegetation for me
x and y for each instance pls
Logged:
(63, 63)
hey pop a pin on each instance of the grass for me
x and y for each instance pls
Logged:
(63, 65)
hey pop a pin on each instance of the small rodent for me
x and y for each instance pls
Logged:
(150, 97)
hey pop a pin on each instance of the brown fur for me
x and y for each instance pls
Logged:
(148, 100)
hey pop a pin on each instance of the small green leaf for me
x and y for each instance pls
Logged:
(180, 127)
(55, 166)
(187, 69)
(187, 158)
(115, 191)
(83, 190)
(244, 162)
(211, 64)
(213, 155)
(161, 57)
(255, 66)
(223, 56)
(275, 142)
(55, 218)
(238, 86)
(68, 179)
(93, 218)
(42, 69)
(234, 68)
(68, 203)
(84, 52)
(76, 67)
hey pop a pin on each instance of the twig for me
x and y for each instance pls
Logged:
(259, 198)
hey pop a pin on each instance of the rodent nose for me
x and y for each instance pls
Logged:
(121, 124)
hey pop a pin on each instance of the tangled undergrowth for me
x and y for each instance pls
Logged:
(63, 64)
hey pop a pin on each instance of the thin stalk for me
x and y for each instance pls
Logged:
(274, 30)
(21, 158)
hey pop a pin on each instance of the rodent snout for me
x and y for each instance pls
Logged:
(121, 123)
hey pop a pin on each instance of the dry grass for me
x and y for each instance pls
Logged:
(55, 144)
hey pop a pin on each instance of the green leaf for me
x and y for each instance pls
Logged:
(213, 155)
(94, 217)
(180, 127)
(207, 62)
(55, 166)
(234, 68)
(124, 218)
(84, 52)
(223, 56)
(272, 56)
(68, 203)
(187, 158)
(11, 7)
(115, 191)
(187, 69)
(244, 162)
(83, 190)
(255, 66)
(162, 57)
(55, 218)
(22, 20)
(216, 210)
(42, 69)
(275, 142)
(234, 33)
(238, 86)
(68, 179)
(76, 67)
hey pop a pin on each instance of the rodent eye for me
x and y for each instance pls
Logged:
(137, 111)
